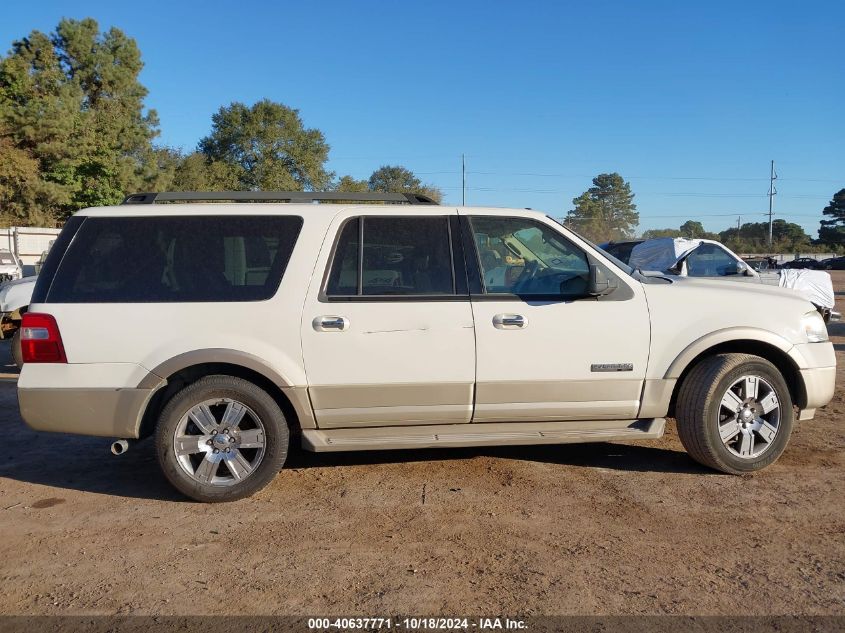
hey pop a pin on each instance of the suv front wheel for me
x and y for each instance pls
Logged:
(734, 413)
(221, 438)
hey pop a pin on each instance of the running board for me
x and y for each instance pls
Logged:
(494, 434)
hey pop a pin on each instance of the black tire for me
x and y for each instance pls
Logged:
(275, 432)
(698, 406)
(17, 354)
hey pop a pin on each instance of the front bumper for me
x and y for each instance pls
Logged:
(819, 385)
(817, 366)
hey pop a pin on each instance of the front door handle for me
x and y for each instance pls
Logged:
(330, 323)
(509, 322)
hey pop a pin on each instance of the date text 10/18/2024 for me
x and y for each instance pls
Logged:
(416, 624)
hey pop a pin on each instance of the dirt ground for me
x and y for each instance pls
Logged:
(577, 529)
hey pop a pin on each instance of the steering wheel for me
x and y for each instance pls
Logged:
(528, 273)
(545, 282)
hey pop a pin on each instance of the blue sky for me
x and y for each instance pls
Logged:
(688, 101)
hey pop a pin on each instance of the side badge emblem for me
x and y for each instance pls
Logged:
(597, 367)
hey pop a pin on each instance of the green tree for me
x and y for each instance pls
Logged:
(655, 233)
(752, 237)
(398, 179)
(832, 231)
(606, 211)
(692, 229)
(267, 147)
(195, 172)
(348, 184)
(74, 131)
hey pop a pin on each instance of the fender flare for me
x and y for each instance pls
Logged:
(727, 335)
(296, 396)
(212, 355)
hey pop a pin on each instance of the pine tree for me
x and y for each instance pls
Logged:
(606, 211)
(832, 231)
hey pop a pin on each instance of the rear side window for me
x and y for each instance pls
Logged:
(382, 256)
(167, 259)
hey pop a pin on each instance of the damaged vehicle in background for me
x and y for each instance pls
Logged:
(10, 266)
(708, 259)
(14, 302)
(15, 296)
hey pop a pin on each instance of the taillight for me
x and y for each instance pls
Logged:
(41, 341)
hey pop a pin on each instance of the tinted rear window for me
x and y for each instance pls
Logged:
(400, 256)
(166, 259)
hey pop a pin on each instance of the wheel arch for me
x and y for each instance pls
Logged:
(772, 348)
(175, 374)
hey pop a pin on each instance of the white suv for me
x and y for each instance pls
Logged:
(227, 329)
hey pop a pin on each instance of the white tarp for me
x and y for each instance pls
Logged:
(814, 285)
(661, 253)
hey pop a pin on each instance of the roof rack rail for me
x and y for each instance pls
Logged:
(275, 196)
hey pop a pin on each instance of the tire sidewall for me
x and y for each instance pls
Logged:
(787, 416)
(276, 435)
(15, 347)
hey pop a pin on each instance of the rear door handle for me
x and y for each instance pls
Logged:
(509, 321)
(330, 323)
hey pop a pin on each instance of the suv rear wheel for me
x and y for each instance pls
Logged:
(734, 413)
(221, 438)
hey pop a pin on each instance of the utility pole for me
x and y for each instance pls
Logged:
(738, 221)
(772, 192)
(463, 181)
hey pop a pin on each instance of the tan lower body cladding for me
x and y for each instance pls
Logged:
(453, 403)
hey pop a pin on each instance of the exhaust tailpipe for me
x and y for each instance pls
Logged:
(119, 447)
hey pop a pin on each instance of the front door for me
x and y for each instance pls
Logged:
(546, 350)
(387, 332)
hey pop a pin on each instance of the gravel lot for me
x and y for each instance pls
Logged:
(578, 529)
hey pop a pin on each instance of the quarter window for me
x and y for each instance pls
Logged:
(178, 258)
(522, 257)
(382, 256)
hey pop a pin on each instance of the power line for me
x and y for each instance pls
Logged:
(675, 215)
(680, 194)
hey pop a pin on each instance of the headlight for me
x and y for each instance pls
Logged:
(814, 326)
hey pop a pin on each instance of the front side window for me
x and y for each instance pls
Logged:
(523, 257)
(180, 258)
(382, 256)
(708, 260)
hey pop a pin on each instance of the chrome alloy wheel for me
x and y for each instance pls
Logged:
(220, 431)
(749, 417)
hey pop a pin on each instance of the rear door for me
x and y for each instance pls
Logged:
(387, 329)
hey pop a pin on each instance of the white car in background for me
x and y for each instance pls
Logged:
(10, 266)
(14, 301)
(15, 296)
(709, 259)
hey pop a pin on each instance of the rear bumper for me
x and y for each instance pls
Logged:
(102, 412)
(87, 399)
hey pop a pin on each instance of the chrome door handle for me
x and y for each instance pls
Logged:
(509, 321)
(330, 323)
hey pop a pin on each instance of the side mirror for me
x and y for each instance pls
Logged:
(599, 284)
(742, 268)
